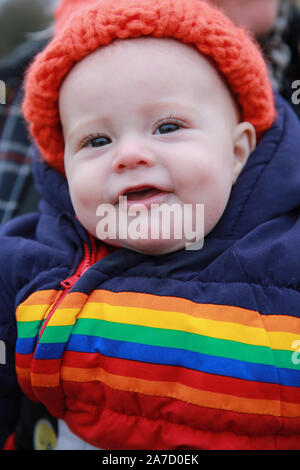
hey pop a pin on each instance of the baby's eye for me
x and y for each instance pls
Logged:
(94, 140)
(167, 127)
(99, 141)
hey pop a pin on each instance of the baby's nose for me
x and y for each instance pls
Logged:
(130, 156)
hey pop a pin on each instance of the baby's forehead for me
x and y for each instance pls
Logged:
(187, 57)
(162, 60)
(149, 44)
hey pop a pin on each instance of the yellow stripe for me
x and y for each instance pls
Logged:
(27, 313)
(283, 341)
(30, 310)
(37, 306)
(64, 317)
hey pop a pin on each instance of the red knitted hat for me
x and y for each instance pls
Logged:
(84, 26)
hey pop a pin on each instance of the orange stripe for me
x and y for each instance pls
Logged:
(38, 380)
(284, 323)
(23, 373)
(290, 410)
(45, 380)
(74, 300)
(41, 297)
(182, 392)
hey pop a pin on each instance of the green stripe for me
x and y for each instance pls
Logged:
(170, 339)
(56, 334)
(283, 359)
(29, 329)
(162, 338)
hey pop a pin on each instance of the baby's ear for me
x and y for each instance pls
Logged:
(244, 142)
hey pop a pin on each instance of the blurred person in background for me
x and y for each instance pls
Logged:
(17, 48)
(276, 25)
(257, 16)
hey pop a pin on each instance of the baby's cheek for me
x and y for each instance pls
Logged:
(85, 206)
(215, 206)
(82, 191)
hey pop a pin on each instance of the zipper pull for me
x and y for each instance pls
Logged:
(70, 281)
(83, 266)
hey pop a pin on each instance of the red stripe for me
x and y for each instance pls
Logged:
(23, 360)
(163, 423)
(192, 378)
(39, 366)
(46, 366)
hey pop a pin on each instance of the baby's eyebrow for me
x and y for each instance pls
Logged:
(100, 122)
(167, 106)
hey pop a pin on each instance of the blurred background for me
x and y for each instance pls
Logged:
(19, 18)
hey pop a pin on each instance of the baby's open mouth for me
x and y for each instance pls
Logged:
(140, 194)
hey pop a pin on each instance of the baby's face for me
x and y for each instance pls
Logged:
(150, 121)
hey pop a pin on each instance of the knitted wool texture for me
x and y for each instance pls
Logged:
(82, 27)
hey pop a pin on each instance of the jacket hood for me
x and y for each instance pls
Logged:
(268, 186)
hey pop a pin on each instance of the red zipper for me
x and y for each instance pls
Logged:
(89, 258)
(68, 283)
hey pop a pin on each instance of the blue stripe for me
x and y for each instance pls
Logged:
(50, 350)
(25, 345)
(171, 356)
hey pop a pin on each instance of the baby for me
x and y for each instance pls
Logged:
(135, 342)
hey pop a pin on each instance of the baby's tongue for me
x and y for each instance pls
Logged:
(142, 194)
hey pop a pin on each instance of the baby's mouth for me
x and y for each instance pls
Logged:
(141, 194)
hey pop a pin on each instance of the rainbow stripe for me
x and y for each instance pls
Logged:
(213, 356)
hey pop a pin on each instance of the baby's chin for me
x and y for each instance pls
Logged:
(153, 247)
(149, 247)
